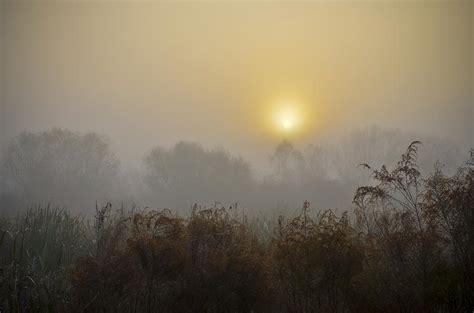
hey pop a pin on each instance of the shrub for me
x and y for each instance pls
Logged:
(34, 250)
(207, 263)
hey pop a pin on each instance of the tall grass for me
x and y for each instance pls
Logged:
(35, 248)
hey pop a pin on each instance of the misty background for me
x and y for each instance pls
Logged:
(162, 104)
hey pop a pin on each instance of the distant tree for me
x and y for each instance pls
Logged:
(188, 173)
(289, 163)
(292, 165)
(60, 166)
(317, 161)
(383, 146)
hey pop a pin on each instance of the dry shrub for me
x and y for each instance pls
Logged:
(227, 272)
(102, 281)
(207, 263)
(418, 237)
(315, 260)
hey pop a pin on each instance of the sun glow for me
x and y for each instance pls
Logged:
(287, 116)
(290, 117)
(287, 124)
(287, 120)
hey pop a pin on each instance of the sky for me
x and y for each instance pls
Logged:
(231, 74)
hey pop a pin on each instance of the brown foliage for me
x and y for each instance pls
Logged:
(207, 263)
(415, 232)
(315, 261)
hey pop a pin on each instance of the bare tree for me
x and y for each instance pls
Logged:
(188, 173)
(60, 166)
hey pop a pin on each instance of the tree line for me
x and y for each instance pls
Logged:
(75, 170)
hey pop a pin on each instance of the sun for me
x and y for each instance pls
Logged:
(287, 117)
(287, 120)
(290, 117)
(287, 124)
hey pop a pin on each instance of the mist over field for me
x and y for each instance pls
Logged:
(240, 156)
(367, 78)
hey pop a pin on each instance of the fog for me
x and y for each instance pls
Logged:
(180, 95)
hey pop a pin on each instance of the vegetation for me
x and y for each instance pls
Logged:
(407, 247)
(73, 170)
(58, 165)
(189, 168)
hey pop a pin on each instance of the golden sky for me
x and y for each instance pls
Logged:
(221, 73)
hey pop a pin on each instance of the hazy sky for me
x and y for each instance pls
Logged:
(148, 73)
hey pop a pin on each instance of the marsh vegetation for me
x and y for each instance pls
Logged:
(407, 246)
